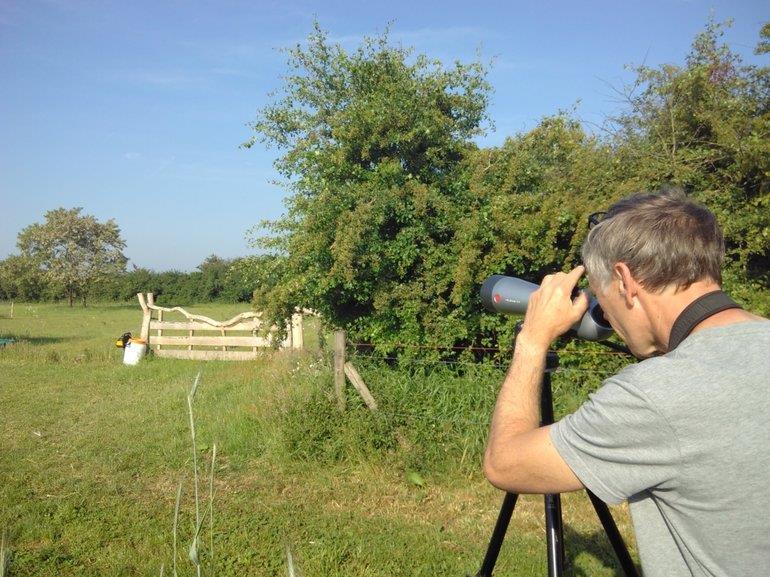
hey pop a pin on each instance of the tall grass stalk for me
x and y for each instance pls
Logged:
(193, 553)
(5, 556)
(211, 508)
(176, 523)
(290, 562)
(193, 550)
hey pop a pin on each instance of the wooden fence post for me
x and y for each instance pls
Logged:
(146, 317)
(297, 340)
(360, 385)
(159, 331)
(339, 368)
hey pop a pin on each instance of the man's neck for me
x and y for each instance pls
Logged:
(664, 308)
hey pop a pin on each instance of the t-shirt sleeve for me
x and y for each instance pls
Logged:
(617, 443)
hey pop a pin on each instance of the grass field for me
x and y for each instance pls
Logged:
(92, 453)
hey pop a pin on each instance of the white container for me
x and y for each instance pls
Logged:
(133, 352)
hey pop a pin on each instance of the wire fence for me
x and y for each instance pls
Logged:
(464, 348)
(368, 351)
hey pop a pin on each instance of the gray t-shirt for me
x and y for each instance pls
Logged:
(685, 438)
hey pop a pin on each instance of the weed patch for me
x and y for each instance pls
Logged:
(428, 420)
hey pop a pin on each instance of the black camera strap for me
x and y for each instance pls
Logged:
(696, 312)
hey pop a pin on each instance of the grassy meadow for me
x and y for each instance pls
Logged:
(92, 453)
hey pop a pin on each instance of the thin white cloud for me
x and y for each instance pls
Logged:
(156, 78)
(441, 35)
(419, 37)
(12, 12)
(234, 72)
(422, 36)
(505, 64)
(223, 51)
(179, 78)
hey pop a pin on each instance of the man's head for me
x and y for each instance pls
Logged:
(665, 239)
(646, 258)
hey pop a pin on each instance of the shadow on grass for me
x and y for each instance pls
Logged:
(20, 339)
(595, 544)
(128, 305)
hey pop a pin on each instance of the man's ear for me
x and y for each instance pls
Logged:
(627, 285)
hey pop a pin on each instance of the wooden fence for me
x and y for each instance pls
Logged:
(203, 338)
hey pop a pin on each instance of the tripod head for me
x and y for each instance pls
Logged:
(510, 295)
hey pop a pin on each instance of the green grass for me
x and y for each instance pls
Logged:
(92, 453)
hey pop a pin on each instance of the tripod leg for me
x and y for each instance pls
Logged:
(554, 535)
(552, 502)
(616, 539)
(498, 534)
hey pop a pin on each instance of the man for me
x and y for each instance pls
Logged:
(683, 435)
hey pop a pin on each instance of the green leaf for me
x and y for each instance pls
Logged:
(415, 478)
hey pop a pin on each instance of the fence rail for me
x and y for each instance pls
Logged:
(202, 338)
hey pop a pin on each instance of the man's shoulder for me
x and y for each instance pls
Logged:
(715, 362)
(723, 346)
(750, 331)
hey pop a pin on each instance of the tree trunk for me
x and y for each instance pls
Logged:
(71, 297)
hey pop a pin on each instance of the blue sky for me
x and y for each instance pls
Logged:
(135, 110)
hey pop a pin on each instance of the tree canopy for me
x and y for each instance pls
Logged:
(373, 144)
(73, 251)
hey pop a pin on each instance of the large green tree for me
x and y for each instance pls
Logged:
(373, 142)
(525, 214)
(74, 250)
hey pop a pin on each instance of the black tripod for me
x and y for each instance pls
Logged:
(553, 518)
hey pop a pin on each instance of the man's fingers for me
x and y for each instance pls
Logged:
(568, 279)
(561, 284)
(551, 309)
(580, 303)
(574, 275)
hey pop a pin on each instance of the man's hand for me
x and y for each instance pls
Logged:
(551, 312)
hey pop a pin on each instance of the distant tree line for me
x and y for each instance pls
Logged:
(215, 280)
(73, 256)
(395, 216)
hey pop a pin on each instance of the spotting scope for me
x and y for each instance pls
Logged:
(510, 295)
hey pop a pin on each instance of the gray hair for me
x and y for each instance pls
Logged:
(664, 238)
